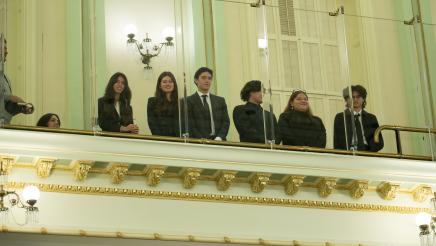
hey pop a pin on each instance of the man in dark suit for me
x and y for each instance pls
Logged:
(360, 125)
(207, 113)
(249, 118)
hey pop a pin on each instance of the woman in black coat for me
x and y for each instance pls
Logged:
(298, 126)
(115, 113)
(163, 108)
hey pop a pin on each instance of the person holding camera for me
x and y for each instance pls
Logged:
(10, 105)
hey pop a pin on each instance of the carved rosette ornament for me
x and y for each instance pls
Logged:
(326, 186)
(292, 184)
(44, 166)
(6, 163)
(358, 188)
(387, 190)
(117, 172)
(190, 177)
(225, 179)
(81, 169)
(154, 175)
(421, 193)
(259, 181)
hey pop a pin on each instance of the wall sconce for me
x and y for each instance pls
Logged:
(146, 48)
(427, 225)
(30, 196)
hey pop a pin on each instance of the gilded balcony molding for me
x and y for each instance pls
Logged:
(118, 171)
(358, 188)
(7, 162)
(81, 169)
(249, 200)
(421, 193)
(225, 179)
(259, 181)
(44, 167)
(154, 175)
(292, 184)
(387, 190)
(190, 177)
(326, 186)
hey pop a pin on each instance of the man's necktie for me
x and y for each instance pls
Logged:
(360, 142)
(206, 108)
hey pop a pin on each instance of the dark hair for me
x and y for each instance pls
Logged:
(251, 86)
(359, 89)
(109, 94)
(43, 121)
(125, 96)
(162, 103)
(202, 70)
(294, 95)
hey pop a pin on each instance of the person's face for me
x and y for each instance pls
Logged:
(357, 101)
(53, 122)
(256, 97)
(119, 85)
(204, 81)
(300, 103)
(167, 84)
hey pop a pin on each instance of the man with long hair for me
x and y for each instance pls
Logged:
(356, 130)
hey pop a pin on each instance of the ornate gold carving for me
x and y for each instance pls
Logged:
(154, 175)
(6, 163)
(259, 181)
(90, 190)
(421, 193)
(387, 190)
(117, 172)
(358, 188)
(326, 186)
(44, 231)
(44, 167)
(293, 183)
(225, 179)
(81, 169)
(190, 177)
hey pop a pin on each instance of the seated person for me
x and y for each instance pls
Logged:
(360, 131)
(249, 118)
(163, 108)
(207, 113)
(49, 120)
(115, 113)
(298, 126)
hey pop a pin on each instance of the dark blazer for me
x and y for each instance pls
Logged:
(165, 123)
(369, 122)
(108, 118)
(302, 129)
(249, 121)
(197, 117)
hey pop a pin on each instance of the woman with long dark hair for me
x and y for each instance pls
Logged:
(49, 120)
(298, 126)
(115, 113)
(163, 108)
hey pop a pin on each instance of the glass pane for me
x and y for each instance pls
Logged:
(428, 12)
(383, 59)
(145, 53)
(311, 74)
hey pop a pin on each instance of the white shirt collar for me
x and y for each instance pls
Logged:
(201, 93)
